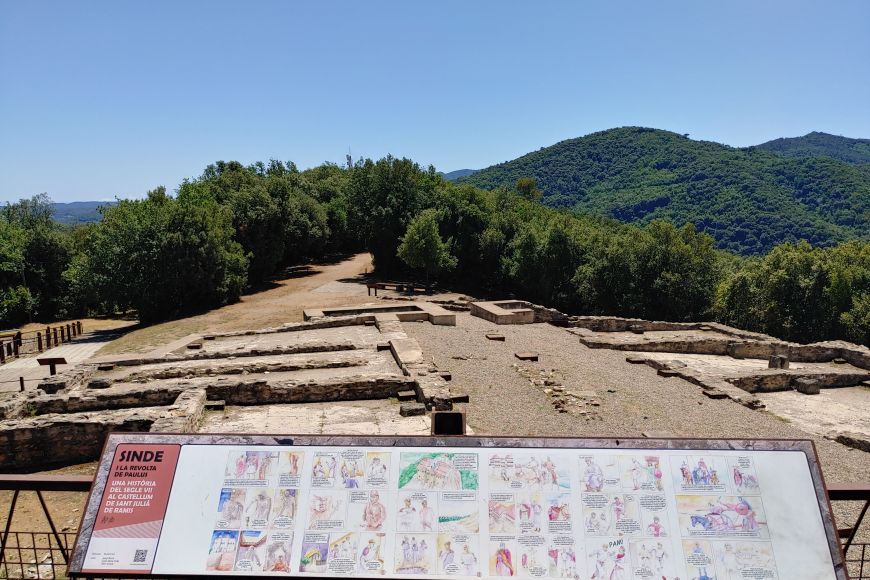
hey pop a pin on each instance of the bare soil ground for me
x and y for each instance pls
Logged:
(283, 301)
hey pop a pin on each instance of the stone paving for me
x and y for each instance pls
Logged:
(377, 417)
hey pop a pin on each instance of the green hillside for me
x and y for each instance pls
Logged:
(749, 199)
(817, 144)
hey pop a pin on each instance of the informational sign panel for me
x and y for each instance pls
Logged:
(384, 507)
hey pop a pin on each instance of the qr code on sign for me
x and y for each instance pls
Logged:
(140, 556)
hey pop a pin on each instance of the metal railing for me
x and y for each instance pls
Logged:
(857, 553)
(45, 554)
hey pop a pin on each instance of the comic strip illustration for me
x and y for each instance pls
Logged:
(652, 559)
(231, 507)
(599, 473)
(721, 516)
(738, 560)
(416, 511)
(343, 548)
(250, 467)
(415, 554)
(458, 512)
(324, 469)
(743, 476)
(371, 553)
(607, 559)
(327, 510)
(609, 516)
(252, 551)
(641, 473)
(528, 471)
(315, 548)
(284, 508)
(290, 466)
(502, 514)
(502, 557)
(699, 473)
(278, 549)
(222, 551)
(438, 471)
(457, 555)
(377, 469)
(367, 511)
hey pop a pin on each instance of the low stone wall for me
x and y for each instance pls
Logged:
(694, 341)
(503, 311)
(68, 378)
(41, 442)
(184, 416)
(260, 392)
(90, 400)
(785, 380)
(617, 324)
(331, 322)
(239, 367)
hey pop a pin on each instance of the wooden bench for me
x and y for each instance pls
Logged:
(396, 286)
(51, 363)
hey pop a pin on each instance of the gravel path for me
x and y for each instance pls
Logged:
(503, 402)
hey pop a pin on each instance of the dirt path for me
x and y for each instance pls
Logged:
(301, 287)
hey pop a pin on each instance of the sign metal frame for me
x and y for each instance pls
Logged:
(90, 513)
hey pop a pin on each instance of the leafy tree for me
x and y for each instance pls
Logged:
(384, 197)
(44, 255)
(422, 246)
(165, 257)
(16, 302)
(527, 187)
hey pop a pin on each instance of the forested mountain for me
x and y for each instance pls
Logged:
(458, 174)
(236, 226)
(748, 199)
(78, 212)
(817, 144)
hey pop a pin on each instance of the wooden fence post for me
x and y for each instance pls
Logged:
(47, 337)
(68, 333)
(55, 335)
(21, 383)
(16, 342)
(2, 352)
(79, 324)
(39, 341)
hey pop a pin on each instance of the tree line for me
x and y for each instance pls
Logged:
(233, 227)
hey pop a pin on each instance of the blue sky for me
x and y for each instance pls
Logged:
(105, 99)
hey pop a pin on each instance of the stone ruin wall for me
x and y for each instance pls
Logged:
(66, 419)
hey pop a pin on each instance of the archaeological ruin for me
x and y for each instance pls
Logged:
(363, 352)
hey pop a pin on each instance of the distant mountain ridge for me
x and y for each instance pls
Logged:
(817, 144)
(79, 212)
(458, 174)
(748, 199)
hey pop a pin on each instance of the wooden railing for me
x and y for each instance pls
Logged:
(16, 344)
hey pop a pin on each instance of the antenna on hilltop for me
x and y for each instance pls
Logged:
(349, 158)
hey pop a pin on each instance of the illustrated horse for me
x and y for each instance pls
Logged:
(687, 476)
(714, 522)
